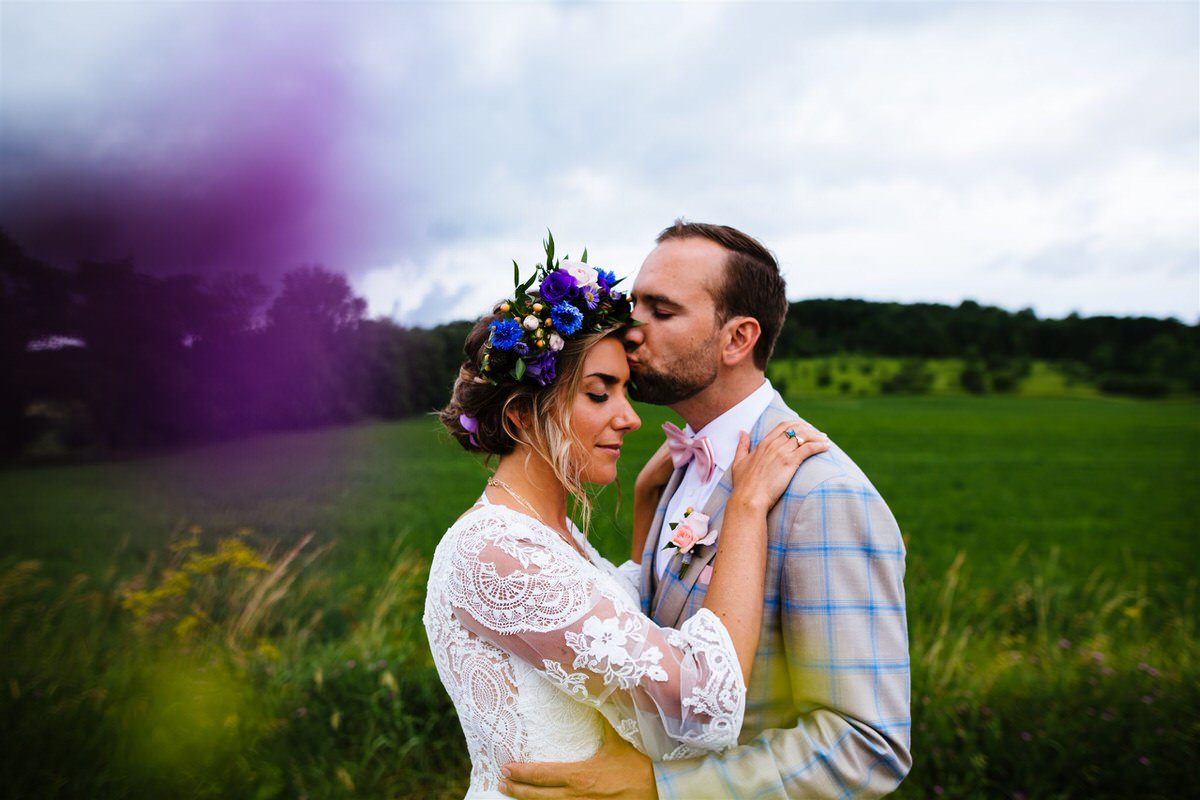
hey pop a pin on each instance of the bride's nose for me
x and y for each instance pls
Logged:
(627, 419)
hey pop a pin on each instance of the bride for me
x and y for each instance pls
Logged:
(537, 638)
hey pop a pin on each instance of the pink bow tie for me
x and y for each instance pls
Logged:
(684, 448)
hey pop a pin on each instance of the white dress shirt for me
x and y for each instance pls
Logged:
(722, 433)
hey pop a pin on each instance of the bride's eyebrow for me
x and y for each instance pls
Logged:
(608, 380)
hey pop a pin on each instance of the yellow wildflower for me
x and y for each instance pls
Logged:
(185, 625)
(268, 650)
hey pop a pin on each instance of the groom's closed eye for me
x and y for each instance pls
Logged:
(660, 307)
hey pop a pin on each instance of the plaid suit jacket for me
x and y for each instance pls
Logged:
(827, 709)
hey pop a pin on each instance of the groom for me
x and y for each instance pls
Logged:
(827, 707)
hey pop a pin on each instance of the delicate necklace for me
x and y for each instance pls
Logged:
(517, 497)
(493, 481)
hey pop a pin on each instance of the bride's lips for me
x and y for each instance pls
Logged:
(615, 449)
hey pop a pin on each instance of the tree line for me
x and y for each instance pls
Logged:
(1143, 356)
(109, 358)
(104, 357)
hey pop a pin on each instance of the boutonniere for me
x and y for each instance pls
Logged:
(688, 533)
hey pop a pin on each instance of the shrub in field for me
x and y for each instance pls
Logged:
(912, 378)
(973, 378)
(824, 375)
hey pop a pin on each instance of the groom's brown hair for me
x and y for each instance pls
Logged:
(752, 286)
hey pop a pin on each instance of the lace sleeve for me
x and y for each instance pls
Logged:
(672, 693)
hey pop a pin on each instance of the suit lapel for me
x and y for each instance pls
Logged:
(670, 596)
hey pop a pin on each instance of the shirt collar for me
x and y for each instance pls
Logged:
(723, 431)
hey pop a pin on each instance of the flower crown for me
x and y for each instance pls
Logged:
(572, 299)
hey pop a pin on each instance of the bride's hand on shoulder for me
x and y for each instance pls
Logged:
(761, 476)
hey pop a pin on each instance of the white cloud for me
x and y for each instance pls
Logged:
(1017, 154)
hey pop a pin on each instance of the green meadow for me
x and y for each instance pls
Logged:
(169, 626)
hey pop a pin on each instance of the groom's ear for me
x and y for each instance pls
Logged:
(741, 335)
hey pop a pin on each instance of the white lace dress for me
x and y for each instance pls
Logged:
(534, 643)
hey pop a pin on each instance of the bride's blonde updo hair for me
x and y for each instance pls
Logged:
(494, 417)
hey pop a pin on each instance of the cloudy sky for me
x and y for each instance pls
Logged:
(1042, 155)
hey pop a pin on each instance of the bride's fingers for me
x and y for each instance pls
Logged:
(743, 449)
(794, 441)
(800, 431)
(808, 440)
(791, 432)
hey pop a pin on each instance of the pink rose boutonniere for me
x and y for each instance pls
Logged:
(692, 531)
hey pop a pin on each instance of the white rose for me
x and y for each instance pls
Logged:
(530, 323)
(582, 273)
(556, 342)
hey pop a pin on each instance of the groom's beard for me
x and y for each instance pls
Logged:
(693, 373)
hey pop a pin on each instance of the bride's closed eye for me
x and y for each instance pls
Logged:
(597, 398)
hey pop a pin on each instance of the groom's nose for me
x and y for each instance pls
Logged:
(633, 338)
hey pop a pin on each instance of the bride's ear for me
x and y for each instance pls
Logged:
(514, 417)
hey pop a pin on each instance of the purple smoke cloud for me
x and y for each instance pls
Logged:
(193, 154)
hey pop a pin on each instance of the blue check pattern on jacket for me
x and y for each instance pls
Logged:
(827, 710)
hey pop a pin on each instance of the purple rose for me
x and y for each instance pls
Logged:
(557, 286)
(543, 368)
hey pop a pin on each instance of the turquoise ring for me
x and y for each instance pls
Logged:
(791, 434)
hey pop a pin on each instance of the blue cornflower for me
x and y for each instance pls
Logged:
(605, 278)
(505, 333)
(567, 318)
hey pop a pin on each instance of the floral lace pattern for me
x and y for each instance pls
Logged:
(535, 645)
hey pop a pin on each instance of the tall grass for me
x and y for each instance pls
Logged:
(1059, 686)
(224, 672)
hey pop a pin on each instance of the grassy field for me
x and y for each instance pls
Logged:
(1052, 554)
